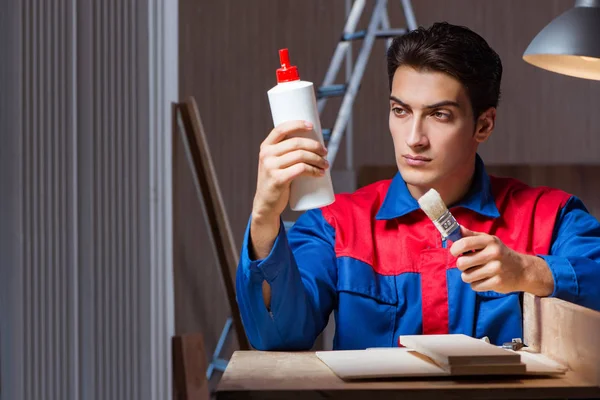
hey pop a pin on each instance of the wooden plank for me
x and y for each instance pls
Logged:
(384, 363)
(404, 363)
(206, 179)
(565, 332)
(282, 375)
(458, 349)
(540, 364)
(488, 369)
(189, 368)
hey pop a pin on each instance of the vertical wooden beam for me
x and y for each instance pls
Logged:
(189, 368)
(565, 332)
(205, 177)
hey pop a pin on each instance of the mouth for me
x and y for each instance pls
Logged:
(416, 161)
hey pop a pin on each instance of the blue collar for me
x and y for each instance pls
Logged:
(398, 200)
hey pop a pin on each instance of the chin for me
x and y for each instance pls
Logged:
(416, 177)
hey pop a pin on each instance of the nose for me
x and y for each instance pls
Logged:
(417, 137)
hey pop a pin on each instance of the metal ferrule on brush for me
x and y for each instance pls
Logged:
(448, 227)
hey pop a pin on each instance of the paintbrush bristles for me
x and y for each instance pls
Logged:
(433, 205)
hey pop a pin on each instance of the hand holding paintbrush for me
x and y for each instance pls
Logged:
(485, 261)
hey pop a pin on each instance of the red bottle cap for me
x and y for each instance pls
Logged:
(287, 72)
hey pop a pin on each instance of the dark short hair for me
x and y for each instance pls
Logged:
(456, 51)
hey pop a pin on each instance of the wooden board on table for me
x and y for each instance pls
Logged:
(407, 363)
(380, 363)
(487, 369)
(459, 350)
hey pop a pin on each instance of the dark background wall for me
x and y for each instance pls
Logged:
(227, 61)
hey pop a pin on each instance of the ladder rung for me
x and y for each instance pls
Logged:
(384, 33)
(389, 33)
(331, 91)
(326, 134)
(354, 35)
(219, 364)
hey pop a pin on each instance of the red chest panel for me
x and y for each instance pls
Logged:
(411, 243)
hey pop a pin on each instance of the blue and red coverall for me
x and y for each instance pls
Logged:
(377, 261)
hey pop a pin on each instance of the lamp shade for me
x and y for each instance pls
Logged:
(570, 44)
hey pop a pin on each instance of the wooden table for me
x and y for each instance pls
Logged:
(280, 375)
(567, 333)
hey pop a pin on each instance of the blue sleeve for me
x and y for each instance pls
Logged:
(301, 270)
(574, 258)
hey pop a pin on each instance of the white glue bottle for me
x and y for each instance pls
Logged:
(293, 99)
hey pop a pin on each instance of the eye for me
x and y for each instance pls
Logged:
(398, 111)
(443, 116)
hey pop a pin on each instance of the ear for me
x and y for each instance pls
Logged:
(485, 125)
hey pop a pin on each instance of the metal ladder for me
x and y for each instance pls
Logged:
(379, 27)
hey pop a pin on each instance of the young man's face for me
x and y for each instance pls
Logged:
(432, 125)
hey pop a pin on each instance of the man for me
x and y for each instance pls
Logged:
(375, 259)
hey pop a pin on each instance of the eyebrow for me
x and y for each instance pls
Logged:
(444, 103)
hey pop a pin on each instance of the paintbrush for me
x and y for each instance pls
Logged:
(433, 205)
